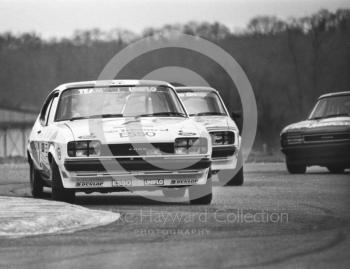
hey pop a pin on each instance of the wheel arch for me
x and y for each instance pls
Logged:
(52, 154)
(29, 157)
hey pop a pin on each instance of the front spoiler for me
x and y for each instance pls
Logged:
(224, 158)
(228, 163)
(137, 180)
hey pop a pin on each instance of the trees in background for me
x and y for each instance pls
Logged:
(289, 63)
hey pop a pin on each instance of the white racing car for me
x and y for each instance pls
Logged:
(205, 105)
(118, 135)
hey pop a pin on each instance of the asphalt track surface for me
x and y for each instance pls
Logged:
(275, 220)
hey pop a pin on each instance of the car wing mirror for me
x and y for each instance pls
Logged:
(42, 121)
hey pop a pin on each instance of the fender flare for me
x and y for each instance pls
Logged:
(31, 160)
(240, 141)
(52, 154)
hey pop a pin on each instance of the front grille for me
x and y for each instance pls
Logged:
(327, 137)
(221, 152)
(137, 149)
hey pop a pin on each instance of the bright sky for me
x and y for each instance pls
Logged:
(57, 18)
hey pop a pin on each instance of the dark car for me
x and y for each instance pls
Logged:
(323, 139)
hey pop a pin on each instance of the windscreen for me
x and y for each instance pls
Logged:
(137, 101)
(337, 106)
(202, 103)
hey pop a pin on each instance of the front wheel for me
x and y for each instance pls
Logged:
(59, 193)
(296, 168)
(36, 183)
(201, 194)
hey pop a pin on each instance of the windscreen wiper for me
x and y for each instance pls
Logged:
(208, 114)
(160, 114)
(111, 115)
(79, 118)
(96, 116)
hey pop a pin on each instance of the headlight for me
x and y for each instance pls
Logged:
(222, 138)
(84, 148)
(292, 139)
(191, 146)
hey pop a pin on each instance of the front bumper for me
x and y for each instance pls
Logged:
(93, 174)
(323, 154)
(224, 158)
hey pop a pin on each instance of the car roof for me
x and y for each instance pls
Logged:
(333, 94)
(195, 89)
(110, 83)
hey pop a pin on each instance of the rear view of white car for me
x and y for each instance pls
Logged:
(119, 135)
(205, 105)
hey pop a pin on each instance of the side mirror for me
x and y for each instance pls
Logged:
(42, 121)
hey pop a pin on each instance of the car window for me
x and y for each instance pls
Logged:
(132, 105)
(123, 101)
(199, 102)
(45, 110)
(331, 106)
(52, 110)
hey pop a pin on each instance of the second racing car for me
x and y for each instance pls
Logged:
(205, 106)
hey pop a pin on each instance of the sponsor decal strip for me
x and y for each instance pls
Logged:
(128, 182)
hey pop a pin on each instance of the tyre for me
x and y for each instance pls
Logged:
(296, 168)
(235, 180)
(201, 194)
(174, 192)
(36, 183)
(336, 169)
(59, 193)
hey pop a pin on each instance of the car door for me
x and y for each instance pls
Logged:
(45, 130)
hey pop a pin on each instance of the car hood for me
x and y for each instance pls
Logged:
(339, 124)
(214, 122)
(129, 130)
